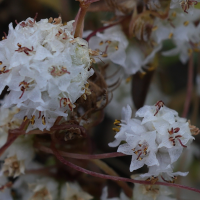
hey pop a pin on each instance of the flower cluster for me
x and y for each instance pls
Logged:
(157, 139)
(112, 46)
(45, 68)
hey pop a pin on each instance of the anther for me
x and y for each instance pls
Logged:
(116, 129)
(170, 35)
(104, 55)
(43, 120)
(186, 23)
(117, 122)
(32, 120)
(154, 28)
(25, 118)
(108, 41)
(158, 105)
(101, 43)
(174, 14)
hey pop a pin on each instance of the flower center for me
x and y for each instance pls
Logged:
(174, 137)
(58, 71)
(141, 150)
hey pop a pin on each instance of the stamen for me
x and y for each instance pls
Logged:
(170, 35)
(43, 120)
(128, 79)
(139, 158)
(174, 14)
(108, 41)
(154, 28)
(176, 130)
(101, 43)
(104, 55)
(115, 129)
(25, 118)
(32, 120)
(24, 86)
(39, 115)
(186, 23)
(24, 49)
(158, 105)
(117, 122)
(181, 143)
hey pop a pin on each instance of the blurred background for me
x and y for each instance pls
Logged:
(168, 84)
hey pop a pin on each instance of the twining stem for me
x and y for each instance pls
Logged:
(189, 87)
(80, 156)
(115, 178)
(108, 170)
(99, 30)
(10, 140)
(84, 5)
(11, 137)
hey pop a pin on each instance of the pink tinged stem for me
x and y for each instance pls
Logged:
(79, 23)
(10, 140)
(189, 87)
(99, 30)
(115, 178)
(12, 137)
(80, 156)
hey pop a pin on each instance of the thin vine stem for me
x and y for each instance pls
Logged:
(115, 178)
(99, 30)
(80, 156)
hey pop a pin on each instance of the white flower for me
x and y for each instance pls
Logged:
(137, 59)
(142, 147)
(123, 126)
(111, 45)
(122, 97)
(18, 156)
(43, 64)
(174, 137)
(158, 140)
(156, 112)
(150, 192)
(104, 195)
(186, 5)
(163, 172)
(72, 191)
(13, 167)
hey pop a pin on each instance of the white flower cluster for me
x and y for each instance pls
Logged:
(112, 45)
(20, 154)
(186, 5)
(45, 68)
(156, 140)
(181, 29)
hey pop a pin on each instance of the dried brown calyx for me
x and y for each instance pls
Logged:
(141, 26)
(97, 97)
(124, 6)
(194, 130)
(13, 167)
